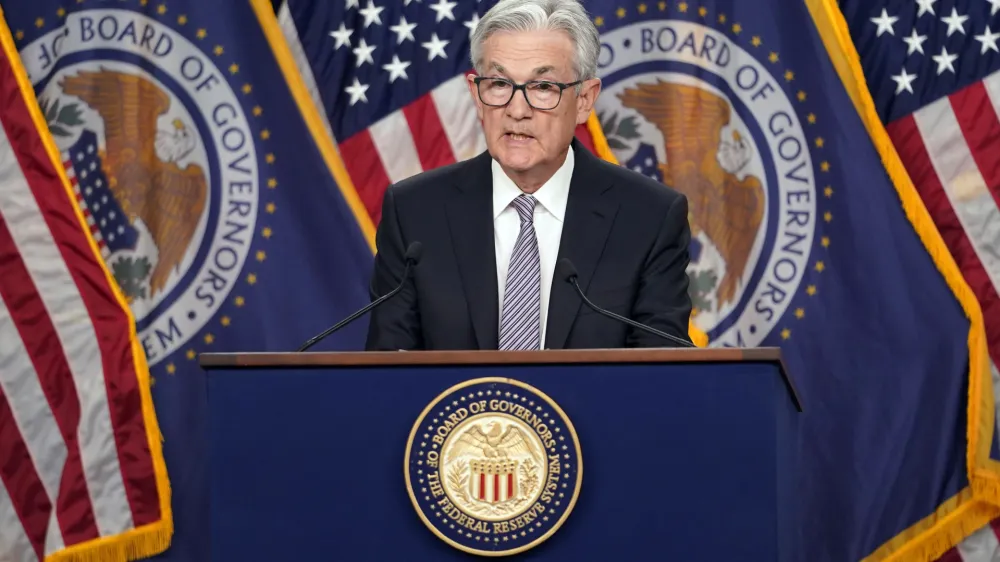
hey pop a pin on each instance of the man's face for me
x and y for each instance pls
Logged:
(522, 139)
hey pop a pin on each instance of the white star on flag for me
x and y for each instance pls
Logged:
(884, 23)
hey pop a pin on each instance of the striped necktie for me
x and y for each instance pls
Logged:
(521, 317)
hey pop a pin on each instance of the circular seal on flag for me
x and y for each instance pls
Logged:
(707, 114)
(493, 466)
(160, 152)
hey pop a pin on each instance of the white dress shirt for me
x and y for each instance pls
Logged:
(550, 212)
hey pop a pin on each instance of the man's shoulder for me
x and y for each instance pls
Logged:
(638, 188)
(436, 182)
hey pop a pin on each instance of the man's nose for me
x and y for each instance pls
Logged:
(518, 107)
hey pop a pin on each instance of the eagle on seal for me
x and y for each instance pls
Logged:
(728, 210)
(169, 199)
(492, 444)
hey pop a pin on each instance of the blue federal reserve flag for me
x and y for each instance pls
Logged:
(808, 236)
(183, 128)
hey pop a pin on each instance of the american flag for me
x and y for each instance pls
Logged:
(932, 69)
(81, 470)
(390, 78)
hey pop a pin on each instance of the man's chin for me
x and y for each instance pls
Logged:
(517, 160)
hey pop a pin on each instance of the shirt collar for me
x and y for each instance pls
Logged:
(552, 195)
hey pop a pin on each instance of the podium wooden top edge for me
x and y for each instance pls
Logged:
(492, 357)
(564, 356)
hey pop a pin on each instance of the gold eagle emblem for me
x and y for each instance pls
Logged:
(492, 444)
(167, 198)
(728, 210)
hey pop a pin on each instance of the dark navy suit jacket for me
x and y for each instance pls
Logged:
(626, 234)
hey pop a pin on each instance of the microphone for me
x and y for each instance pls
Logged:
(412, 258)
(567, 271)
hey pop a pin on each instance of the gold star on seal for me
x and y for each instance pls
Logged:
(800, 312)
(218, 50)
(182, 19)
(828, 216)
(161, 9)
(820, 142)
(811, 290)
(225, 321)
(820, 266)
(272, 183)
(171, 369)
(786, 333)
(261, 256)
(252, 279)
(201, 34)
(266, 232)
(247, 88)
(190, 354)
(828, 191)
(825, 241)
(239, 301)
(269, 158)
(39, 23)
(209, 338)
(737, 28)
(598, 21)
(755, 41)
(269, 208)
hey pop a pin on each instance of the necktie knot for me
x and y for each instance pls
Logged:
(525, 206)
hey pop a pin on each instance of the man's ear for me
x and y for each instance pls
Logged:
(470, 80)
(586, 99)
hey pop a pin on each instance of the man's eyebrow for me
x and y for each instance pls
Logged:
(537, 72)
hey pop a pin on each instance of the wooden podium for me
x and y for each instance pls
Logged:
(653, 454)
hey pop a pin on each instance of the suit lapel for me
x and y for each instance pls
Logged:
(590, 211)
(470, 220)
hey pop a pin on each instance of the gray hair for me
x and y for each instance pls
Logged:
(532, 15)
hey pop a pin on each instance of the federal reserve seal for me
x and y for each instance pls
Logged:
(493, 466)
(160, 151)
(691, 99)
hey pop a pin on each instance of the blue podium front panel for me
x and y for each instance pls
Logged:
(677, 462)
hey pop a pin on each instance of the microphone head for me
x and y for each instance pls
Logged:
(413, 252)
(565, 270)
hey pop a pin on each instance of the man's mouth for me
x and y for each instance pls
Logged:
(518, 136)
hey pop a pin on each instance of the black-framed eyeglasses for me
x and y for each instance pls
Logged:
(540, 94)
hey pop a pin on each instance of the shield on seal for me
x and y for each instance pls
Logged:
(493, 481)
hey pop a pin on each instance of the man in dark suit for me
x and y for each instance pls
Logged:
(493, 227)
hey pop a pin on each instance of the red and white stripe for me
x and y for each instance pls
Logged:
(75, 460)
(413, 139)
(492, 488)
(950, 150)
